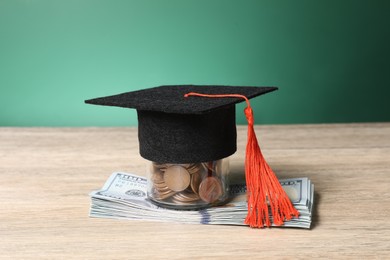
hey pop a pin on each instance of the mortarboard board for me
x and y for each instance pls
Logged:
(176, 127)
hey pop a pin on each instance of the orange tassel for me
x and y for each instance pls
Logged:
(263, 187)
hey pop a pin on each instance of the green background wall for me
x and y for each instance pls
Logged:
(329, 58)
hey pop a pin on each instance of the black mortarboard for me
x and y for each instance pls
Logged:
(175, 129)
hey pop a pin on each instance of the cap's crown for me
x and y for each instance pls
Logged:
(176, 129)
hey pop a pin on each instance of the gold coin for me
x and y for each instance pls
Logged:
(177, 178)
(192, 168)
(164, 191)
(196, 179)
(196, 168)
(210, 190)
(185, 197)
(164, 195)
(160, 186)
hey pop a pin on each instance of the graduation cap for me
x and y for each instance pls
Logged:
(192, 123)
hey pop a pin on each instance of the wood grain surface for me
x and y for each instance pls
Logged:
(47, 173)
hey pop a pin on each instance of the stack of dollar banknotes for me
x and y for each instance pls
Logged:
(124, 196)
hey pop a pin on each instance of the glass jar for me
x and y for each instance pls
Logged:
(190, 185)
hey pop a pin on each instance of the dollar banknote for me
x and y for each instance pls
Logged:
(124, 196)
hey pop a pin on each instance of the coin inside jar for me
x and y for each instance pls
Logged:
(177, 178)
(210, 190)
(185, 197)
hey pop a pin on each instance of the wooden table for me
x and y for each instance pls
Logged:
(47, 173)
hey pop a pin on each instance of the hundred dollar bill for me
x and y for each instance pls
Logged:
(124, 195)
